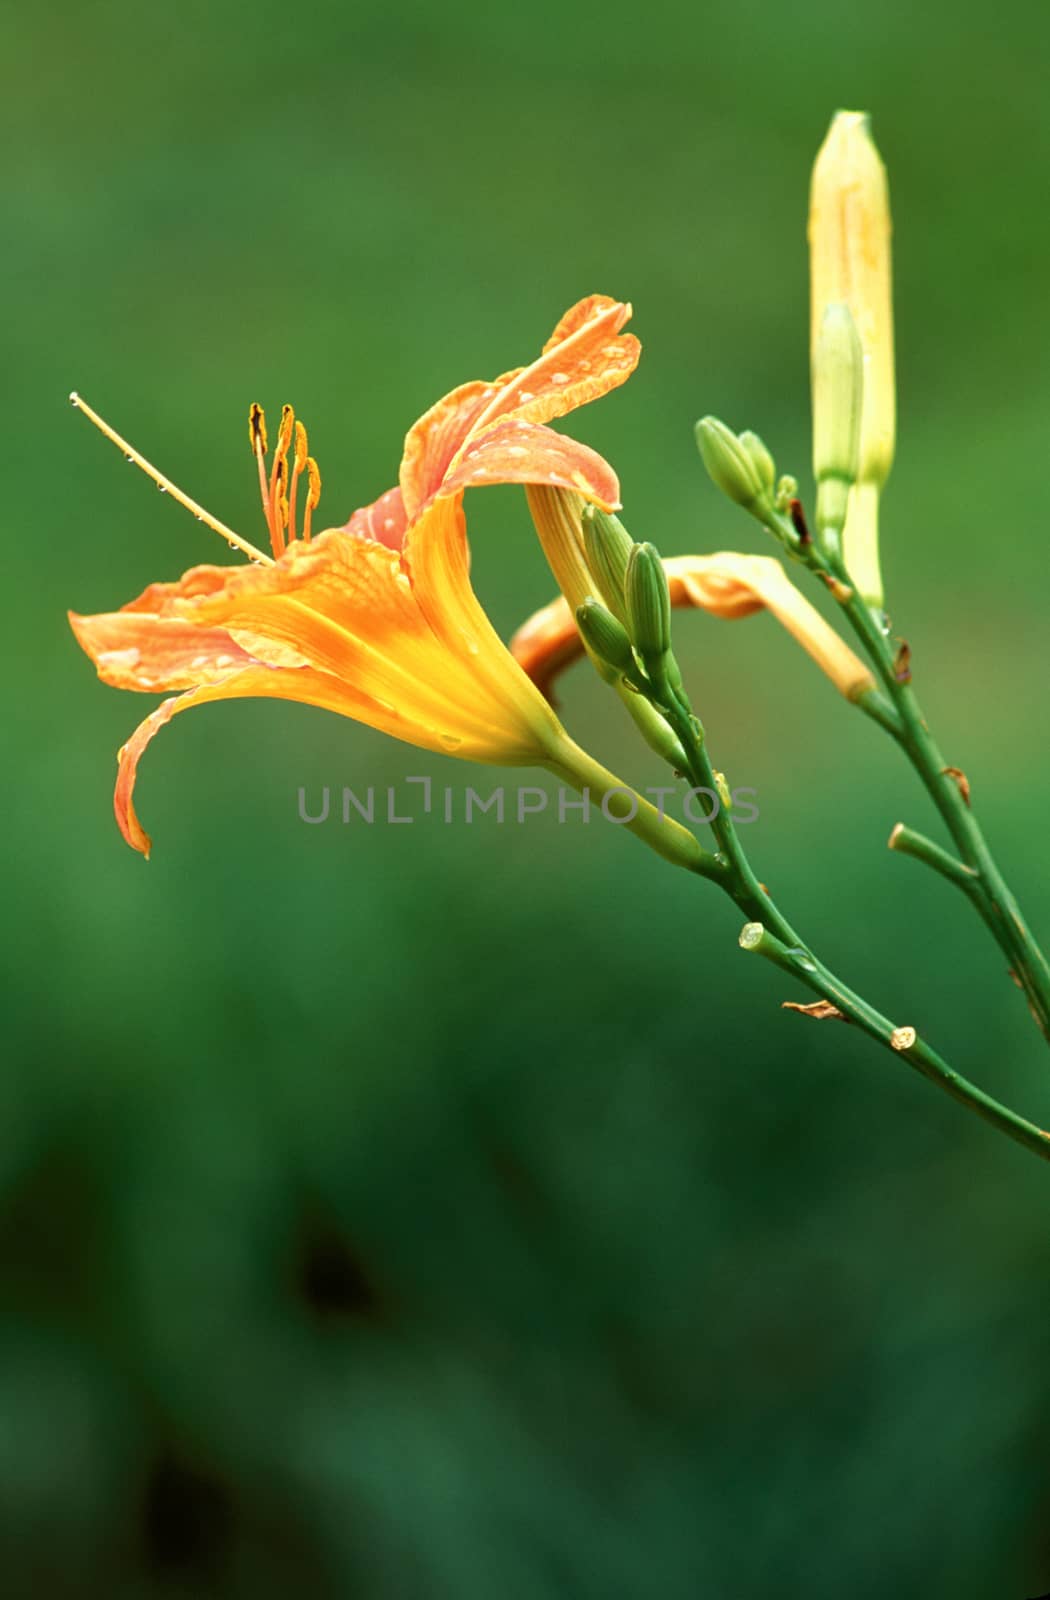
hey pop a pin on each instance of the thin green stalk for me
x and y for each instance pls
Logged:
(781, 944)
(991, 894)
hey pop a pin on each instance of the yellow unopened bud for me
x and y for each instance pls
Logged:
(849, 242)
(838, 380)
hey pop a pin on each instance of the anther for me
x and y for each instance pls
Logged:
(301, 450)
(257, 428)
(313, 494)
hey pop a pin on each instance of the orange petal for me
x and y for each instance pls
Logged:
(437, 558)
(584, 358)
(312, 688)
(726, 585)
(349, 608)
(513, 451)
(584, 311)
(385, 520)
(135, 651)
(435, 440)
(546, 644)
(160, 599)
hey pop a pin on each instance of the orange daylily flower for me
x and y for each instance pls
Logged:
(377, 619)
(726, 585)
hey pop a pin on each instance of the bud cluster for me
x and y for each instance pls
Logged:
(626, 625)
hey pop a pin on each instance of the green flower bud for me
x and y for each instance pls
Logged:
(607, 546)
(761, 459)
(838, 392)
(648, 602)
(787, 490)
(729, 464)
(605, 636)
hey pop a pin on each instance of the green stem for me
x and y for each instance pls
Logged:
(990, 893)
(781, 944)
(907, 842)
(624, 806)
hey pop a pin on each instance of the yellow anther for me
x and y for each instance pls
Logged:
(313, 493)
(302, 449)
(284, 432)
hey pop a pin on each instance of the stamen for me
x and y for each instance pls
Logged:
(313, 494)
(257, 435)
(301, 449)
(234, 540)
(281, 497)
(280, 454)
(257, 428)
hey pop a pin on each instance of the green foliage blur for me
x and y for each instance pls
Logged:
(448, 1213)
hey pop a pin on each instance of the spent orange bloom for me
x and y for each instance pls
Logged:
(726, 585)
(377, 619)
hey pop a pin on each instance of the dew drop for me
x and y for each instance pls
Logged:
(163, 488)
(119, 658)
(199, 516)
(130, 458)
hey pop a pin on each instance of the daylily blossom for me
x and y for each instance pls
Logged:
(377, 619)
(725, 585)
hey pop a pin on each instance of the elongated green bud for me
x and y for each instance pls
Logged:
(838, 395)
(729, 463)
(607, 546)
(603, 634)
(648, 602)
(761, 458)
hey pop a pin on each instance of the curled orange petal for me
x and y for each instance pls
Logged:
(436, 439)
(585, 357)
(513, 451)
(726, 585)
(302, 684)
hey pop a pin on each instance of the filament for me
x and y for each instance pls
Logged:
(165, 484)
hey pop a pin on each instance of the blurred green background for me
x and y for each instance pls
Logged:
(440, 1212)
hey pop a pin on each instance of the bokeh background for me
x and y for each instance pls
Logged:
(442, 1213)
